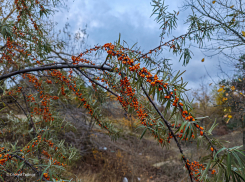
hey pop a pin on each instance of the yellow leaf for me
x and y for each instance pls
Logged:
(224, 99)
(239, 79)
(232, 88)
(222, 86)
(229, 116)
(243, 33)
(202, 59)
(220, 89)
(210, 84)
(213, 2)
(226, 94)
(228, 120)
(225, 116)
(178, 13)
(232, 6)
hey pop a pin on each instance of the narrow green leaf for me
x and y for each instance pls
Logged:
(228, 165)
(143, 133)
(212, 127)
(220, 150)
(238, 159)
(206, 170)
(186, 128)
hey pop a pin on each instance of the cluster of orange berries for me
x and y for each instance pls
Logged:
(180, 135)
(63, 90)
(201, 128)
(48, 81)
(33, 145)
(139, 108)
(194, 167)
(52, 145)
(33, 79)
(9, 53)
(47, 116)
(5, 158)
(46, 176)
(54, 160)
(76, 60)
(133, 68)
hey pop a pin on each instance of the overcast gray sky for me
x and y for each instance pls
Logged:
(106, 19)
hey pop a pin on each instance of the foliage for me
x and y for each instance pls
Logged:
(27, 49)
(232, 97)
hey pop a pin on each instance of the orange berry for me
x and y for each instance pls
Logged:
(201, 133)
(212, 149)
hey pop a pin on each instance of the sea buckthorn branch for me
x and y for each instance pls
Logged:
(31, 121)
(29, 165)
(13, 45)
(180, 104)
(26, 9)
(52, 145)
(5, 169)
(9, 156)
(22, 8)
(169, 128)
(45, 153)
(51, 67)
(150, 79)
